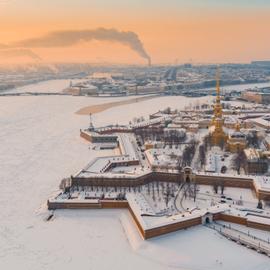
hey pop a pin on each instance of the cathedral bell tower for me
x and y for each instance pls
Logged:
(218, 136)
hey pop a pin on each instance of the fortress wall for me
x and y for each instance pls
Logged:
(232, 219)
(158, 231)
(227, 181)
(123, 163)
(216, 217)
(172, 227)
(265, 227)
(85, 136)
(53, 205)
(139, 226)
(162, 177)
(112, 182)
(115, 130)
(243, 221)
(112, 204)
(167, 177)
(127, 181)
(263, 195)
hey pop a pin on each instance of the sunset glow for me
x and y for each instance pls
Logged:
(175, 32)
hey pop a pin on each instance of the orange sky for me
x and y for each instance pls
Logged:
(212, 35)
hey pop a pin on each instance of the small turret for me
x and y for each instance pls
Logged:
(91, 126)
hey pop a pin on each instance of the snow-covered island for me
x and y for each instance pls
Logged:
(41, 145)
(175, 169)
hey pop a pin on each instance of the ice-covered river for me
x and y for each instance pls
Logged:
(56, 86)
(242, 87)
(39, 145)
(50, 86)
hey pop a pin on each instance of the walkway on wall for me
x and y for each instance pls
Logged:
(245, 239)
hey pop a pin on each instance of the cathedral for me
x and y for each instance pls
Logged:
(237, 140)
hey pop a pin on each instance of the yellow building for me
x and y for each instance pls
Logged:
(237, 140)
(218, 136)
(148, 145)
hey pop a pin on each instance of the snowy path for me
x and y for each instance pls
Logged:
(248, 240)
(179, 198)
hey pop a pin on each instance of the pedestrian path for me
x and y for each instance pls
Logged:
(246, 239)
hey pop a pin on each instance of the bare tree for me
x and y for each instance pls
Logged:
(215, 187)
(207, 142)
(253, 140)
(222, 187)
(188, 154)
(239, 161)
(195, 190)
(202, 154)
(260, 205)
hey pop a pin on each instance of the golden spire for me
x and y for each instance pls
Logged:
(237, 127)
(217, 107)
(218, 136)
(218, 85)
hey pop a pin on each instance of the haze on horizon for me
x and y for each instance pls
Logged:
(171, 31)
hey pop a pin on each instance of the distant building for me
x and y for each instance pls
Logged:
(89, 90)
(257, 97)
(262, 122)
(237, 140)
(261, 63)
(255, 163)
(95, 137)
(82, 89)
(187, 65)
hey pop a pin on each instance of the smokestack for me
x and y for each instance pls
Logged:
(149, 62)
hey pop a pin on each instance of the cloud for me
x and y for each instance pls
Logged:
(3, 46)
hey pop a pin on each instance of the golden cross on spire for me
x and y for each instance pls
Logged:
(218, 83)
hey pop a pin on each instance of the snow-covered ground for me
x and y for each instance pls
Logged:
(197, 248)
(39, 145)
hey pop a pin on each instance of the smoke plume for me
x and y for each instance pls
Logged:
(69, 38)
(10, 53)
(3, 46)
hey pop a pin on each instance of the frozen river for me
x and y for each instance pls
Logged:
(40, 145)
(241, 87)
(50, 86)
(56, 86)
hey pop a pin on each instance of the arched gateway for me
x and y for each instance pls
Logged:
(189, 176)
(207, 218)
